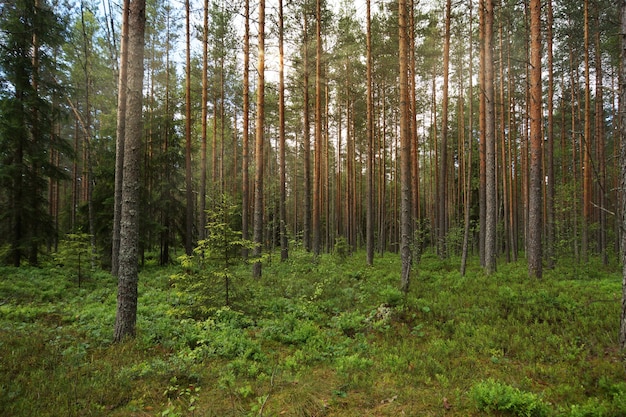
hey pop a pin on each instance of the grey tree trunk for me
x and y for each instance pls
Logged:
(126, 317)
(119, 141)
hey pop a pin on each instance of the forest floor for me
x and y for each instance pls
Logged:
(316, 337)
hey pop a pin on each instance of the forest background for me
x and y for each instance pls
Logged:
(454, 129)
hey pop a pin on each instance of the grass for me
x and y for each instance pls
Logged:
(316, 337)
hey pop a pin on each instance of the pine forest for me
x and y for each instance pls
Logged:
(312, 208)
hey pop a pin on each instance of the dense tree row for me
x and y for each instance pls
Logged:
(485, 127)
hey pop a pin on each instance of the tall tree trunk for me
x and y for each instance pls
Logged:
(549, 148)
(126, 316)
(622, 332)
(535, 204)
(188, 179)
(490, 157)
(284, 248)
(405, 153)
(587, 168)
(468, 184)
(205, 108)
(442, 195)
(369, 228)
(317, 163)
(245, 180)
(599, 110)
(482, 146)
(122, 87)
(306, 236)
(259, 144)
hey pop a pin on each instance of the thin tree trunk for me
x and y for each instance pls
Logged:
(549, 148)
(369, 228)
(284, 249)
(317, 163)
(205, 105)
(622, 332)
(122, 87)
(442, 195)
(468, 184)
(245, 180)
(535, 205)
(259, 145)
(188, 179)
(587, 168)
(306, 141)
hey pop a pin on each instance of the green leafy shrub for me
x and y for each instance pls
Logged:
(491, 395)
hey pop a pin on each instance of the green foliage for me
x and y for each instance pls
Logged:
(491, 395)
(74, 253)
(207, 279)
(314, 338)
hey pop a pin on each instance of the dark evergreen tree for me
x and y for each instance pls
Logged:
(30, 36)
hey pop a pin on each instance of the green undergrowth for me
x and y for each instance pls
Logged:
(326, 336)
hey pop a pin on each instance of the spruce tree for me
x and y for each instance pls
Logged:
(30, 36)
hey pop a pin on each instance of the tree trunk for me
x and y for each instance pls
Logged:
(245, 180)
(369, 228)
(126, 316)
(306, 236)
(490, 157)
(259, 145)
(587, 168)
(442, 195)
(122, 87)
(622, 333)
(468, 184)
(188, 179)
(535, 204)
(205, 105)
(284, 249)
(549, 148)
(317, 163)
(405, 153)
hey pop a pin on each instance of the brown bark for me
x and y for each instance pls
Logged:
(317, 163)
(119, 141)
(284, 250)
(259, 145)
(126, 315)
(442, 185)
(489, 137)
(245, 180)
(405, 153)
(369, 227)
(535, 205)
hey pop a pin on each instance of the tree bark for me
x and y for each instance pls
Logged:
(405, 154)
(317, 163)
(490, 157)
(122, 87)
(259, 145)
(245, 180)
(535, 203)
(622, 113)
(188, 179)
(369, 228)
(284, 248)
(126, 316)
